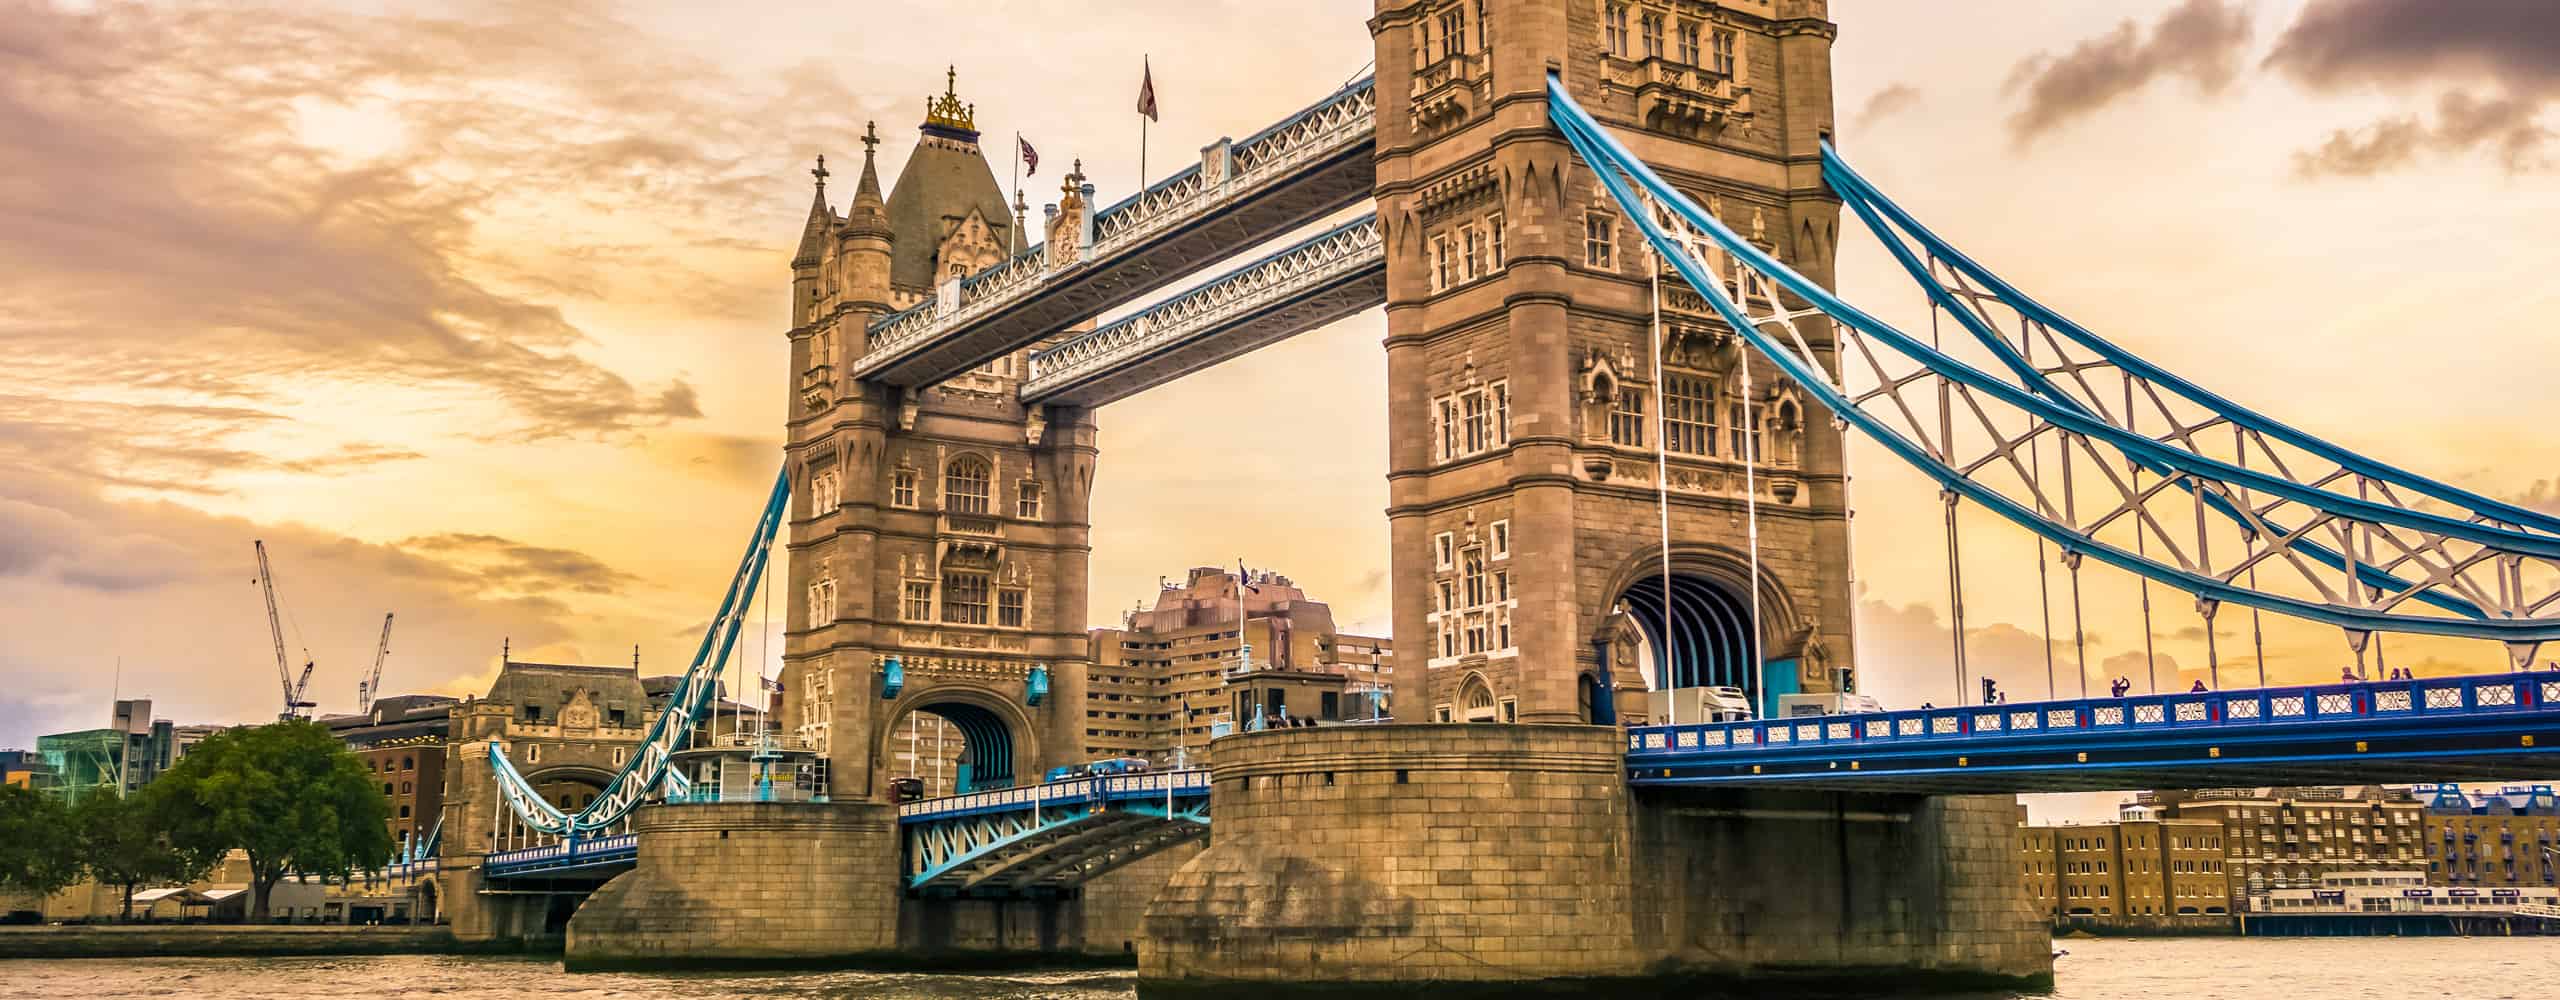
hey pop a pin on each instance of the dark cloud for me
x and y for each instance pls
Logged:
(2506, 50)
(182, 213)
(512, 566)
(2201, 41)
(1888, 102)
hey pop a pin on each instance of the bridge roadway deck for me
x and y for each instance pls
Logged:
(2491, 727)
(1050, 836)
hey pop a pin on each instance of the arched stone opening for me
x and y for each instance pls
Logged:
(1697, 630)
(1475, 700)
(569, 789)
(955, 740)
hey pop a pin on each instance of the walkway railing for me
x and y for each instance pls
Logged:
(2485, 695)
(563, 856)
(1074, 791)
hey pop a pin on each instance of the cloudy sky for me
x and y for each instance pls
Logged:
(474, 311)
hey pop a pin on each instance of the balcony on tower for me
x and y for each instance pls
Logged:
(1682, 99)
(817, 386)
(1448, 92)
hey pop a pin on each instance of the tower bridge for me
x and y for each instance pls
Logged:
(1604, 233)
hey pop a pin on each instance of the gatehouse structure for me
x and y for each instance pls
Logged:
(1604, 233)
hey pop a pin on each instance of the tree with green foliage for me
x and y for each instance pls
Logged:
(38, 853)
(122, 844)
(288, 793)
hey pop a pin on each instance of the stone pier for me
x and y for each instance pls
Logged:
(1496, 857)
(746, 883)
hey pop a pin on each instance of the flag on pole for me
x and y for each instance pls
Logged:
(1242, 579)
(1030, 157)
(773, 684)
(1147, 93)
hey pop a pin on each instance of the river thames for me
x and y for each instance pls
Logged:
(2188, 968)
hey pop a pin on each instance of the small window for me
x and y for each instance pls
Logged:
(1689, 43)
(918, 601)
(1027, 503)
(1501, 539)
(1448, 420)
(1600, 241)
(1510, 710)
(407, 788)
(1626, 419)
(1473, 239)
(1727, 43)
(1614, 28)
(1009, 608)
(902, 488)
(1453, 32)
(1493, 238)
(1445, 551)
(1653, 36)
(822, 602)
(404, 812)
(1439, 713)
(1444, 263)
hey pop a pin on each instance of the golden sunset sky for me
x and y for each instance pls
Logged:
(475, 311)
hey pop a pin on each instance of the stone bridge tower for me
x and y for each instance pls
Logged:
(945, 526)
(1525, 409)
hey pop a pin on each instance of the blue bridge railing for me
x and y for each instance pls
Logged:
(565, 856)
(2481, 696)
(1188, 783)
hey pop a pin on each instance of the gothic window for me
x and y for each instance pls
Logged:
(1444, 263)
(1689, 43)
(1614, 28)
(1445, 551)
(1448, 429)
(964, 598)
(1688, 415)
(826, 492)
(1502, 626)
(1493, 234)
(1448, 637)
(1471, 573)
(1501, 412)
(1600, 241)
(1726, 46)
(1478, 413)
(1448, 591)
(822, 348)
(1476, 700)
(918, 602)
(1026, 504)
(1626, 420)
(822, 602)
(1453, 32)
(964, 486)
(1474, 633)
(1473, 238)
(1009, 608)
(1502, 587)
(1653, 36)
(902, 488)
(1501, 540)
(1746, 432)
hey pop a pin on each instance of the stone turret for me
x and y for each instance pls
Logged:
(867, 240)
(808, 285)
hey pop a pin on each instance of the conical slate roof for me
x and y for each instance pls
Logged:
(945, 179)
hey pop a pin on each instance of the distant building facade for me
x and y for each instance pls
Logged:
(2292, 837)
(2130, 872)
(1163, 683)
(2505, 838)
(121, 758)
(401, 740)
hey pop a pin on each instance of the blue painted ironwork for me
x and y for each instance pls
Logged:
(1659, 206)
(589, 855)
(893, 678)
(1050, 835)
(1035, 686)
(2446, 720)
(644, 774)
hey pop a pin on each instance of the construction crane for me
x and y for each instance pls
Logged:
(367, 688)
(294, 706)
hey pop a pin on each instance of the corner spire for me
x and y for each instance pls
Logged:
(868, 212)
(813, 234)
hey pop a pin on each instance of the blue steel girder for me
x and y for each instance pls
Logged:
(1051, 835)
(1311, 164)
(2493, 727)
(1331, 275)
(2497, 583)
(600, 855)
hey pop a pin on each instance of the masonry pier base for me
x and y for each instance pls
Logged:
(1491, 858)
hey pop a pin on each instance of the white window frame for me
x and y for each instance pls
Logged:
(1500, 535)
(1444, 550)
(1493, 229)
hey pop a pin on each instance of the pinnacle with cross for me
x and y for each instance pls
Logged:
(870, 137)
(821, 172)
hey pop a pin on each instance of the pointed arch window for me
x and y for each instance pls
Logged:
(964, 485)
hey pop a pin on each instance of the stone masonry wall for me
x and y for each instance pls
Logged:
(1410, 853)
(1757, 882)
(747, 881)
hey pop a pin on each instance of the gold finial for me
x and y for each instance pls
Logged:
(946, 111)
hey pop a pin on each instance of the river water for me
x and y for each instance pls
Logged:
(2185, 968)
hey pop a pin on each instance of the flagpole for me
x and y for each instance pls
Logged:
(1017, 169)
(1147, 76)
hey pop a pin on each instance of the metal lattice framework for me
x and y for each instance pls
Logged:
(1053, 835)
(1257, 170)
(647, 771)
(2219, 529)
(1331, 275)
